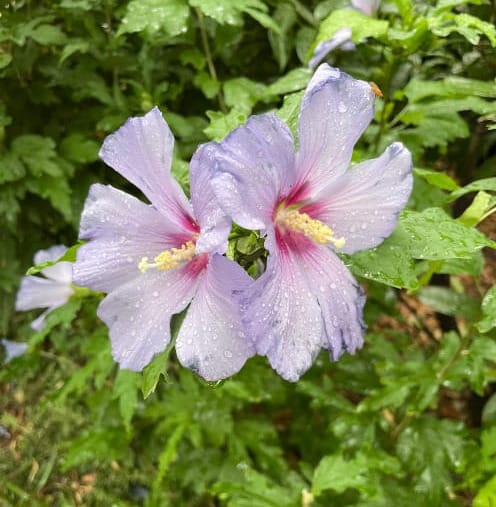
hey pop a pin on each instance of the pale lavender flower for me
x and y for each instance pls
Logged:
(12, 350)
(155, 260)
(342, 37)
(51, 291)
(309, 206)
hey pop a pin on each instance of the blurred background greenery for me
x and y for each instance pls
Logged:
(411, 419)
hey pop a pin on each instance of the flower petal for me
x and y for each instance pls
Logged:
(212, 341)
(38, 292)
(282, 316)
(141, 151)
(215, 225)
(366, 6)
(339, 297)
(334, 112)
(364, 204)
(325, 47)
(13, 349)
(62, 271)
(121, 231)
(138, 313)
(254, 166)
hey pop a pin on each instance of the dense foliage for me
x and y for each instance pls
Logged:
(411, 418)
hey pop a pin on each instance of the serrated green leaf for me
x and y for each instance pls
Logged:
(155, 15)
(488, 308)
(336, 473)
(362, 26)
(418, 89)
(221, 124)
(11, 168)
(126, 388)
(78, 148)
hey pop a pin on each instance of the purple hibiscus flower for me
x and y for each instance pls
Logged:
(51, 291)
(309, 206)
(155, 260)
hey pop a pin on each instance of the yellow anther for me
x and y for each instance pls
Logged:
(310, 227)
(169, 259)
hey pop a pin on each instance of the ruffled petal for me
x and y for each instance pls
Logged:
(141, 151)
(121, 231)
(138, 313)
(282, 316)
(325, 47)
(215, 225)
(62, 271)
(335, 111)
(212, 341)
(339, 297)
(364, 204)
(253, 168)
(38, 292)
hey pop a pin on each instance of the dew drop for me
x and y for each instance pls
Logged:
(228, 354)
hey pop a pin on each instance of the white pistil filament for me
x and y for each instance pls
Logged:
(310, 227)
(169, 259)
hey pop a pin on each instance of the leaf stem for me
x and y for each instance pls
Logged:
(208, 55)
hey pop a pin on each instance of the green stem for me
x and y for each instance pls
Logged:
(208, 55)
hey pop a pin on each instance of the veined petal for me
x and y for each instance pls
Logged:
(364, 204)
(335, 111)
(141, 151)
(138, 313)
(282, 316)
(121, 231)
(325, 47)
(215, 225)
(254, 166)
(38, 292)
(212, 341)
(339, 297)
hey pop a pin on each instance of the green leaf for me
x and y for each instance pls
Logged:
(231, 13)
(11, 168)
(47, 35)
(38, 153)
(290, 111)
(242, 92)
(487, 184)
(437, 179)
(477, 209)
(486, 497)
(153, 372)
(126, 388)
(362, 26)
(388, 264)
(221, 124)
(78, 148)
(155, 15)
(488, 308)
(418, 89)
(293, 81)
(5, 59)
(432, 234)
(466, 25)
(336, 473)
(208, 85)
(449, 302)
